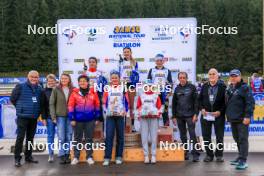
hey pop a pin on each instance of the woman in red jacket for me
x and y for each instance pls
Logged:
(84, 112)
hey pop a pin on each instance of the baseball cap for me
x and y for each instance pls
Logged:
(235, 72)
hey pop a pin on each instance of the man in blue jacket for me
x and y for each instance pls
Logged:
(239, 109)
(27, 98)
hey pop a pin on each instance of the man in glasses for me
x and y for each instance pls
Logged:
(185, 111)
(239, 109)
(27, 98)
(212, 106)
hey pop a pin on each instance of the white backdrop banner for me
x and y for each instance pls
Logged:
(79, 39)
(10, 127)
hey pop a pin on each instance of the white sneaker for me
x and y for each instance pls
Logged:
(134, 129)
(90, 161)
(118, 161)
(74, 161)
(153, 160)
(51, 159)
(146, 161)
(106, 162)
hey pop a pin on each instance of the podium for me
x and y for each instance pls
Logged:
(133, 151)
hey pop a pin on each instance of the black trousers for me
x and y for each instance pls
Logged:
(219, 127)
(84, 130)
(25, 126)
(182, 123)
(240, 135)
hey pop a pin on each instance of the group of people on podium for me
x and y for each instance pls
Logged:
(75, 111)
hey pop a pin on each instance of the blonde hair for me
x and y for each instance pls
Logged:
(51, 76)
(33, 72)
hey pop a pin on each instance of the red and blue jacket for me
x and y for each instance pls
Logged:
(83, 108)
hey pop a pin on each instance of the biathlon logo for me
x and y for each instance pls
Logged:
(69, 34)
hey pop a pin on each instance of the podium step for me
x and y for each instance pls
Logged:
(135, 154)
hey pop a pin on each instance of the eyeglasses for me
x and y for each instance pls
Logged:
(34, 77)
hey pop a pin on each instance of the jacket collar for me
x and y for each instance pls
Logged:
(92, 69)
(31, 85)
(159, 68)
(70, 88)
(238, 85)
(184, 85)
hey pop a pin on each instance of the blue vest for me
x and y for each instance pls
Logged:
(28, 103)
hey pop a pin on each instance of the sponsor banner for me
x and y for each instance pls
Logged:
(17, 80)
(8, 120)
(3, 100)
(8, 126)
(106, 38)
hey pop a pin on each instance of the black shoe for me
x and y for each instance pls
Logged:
(67, 159)
(208, 159)
(186, 157)
(31, 160)
(196, 159)
(220, 159)
(62, 160)
(17, 163)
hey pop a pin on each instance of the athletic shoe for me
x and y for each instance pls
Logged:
(90, 161)
(241, 165)
(74, 161)
(219, 159)
(146, 161)
(106, 162)
(153, 160)
(208, 159)
(118, 160)
(234, 162)
(51, 159)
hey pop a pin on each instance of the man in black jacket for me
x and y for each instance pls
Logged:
(27, 98)
(212, 102)
(239, 109)
(185, 111)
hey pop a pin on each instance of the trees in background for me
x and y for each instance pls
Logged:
(22, 52)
